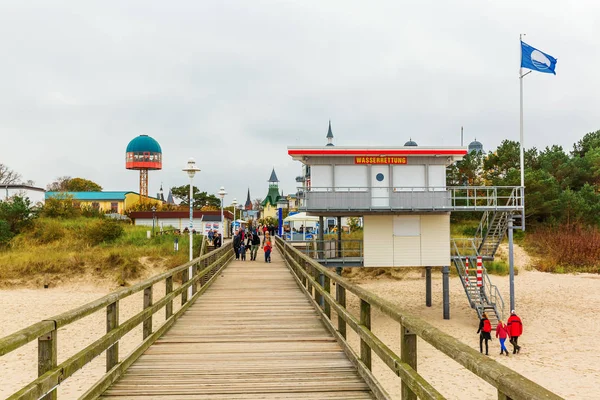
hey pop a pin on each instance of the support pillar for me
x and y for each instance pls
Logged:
(320, 242)
(428, 286)
(339, 237)
(446, 290)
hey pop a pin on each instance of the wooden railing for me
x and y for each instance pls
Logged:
(315, 280)
(205, 270)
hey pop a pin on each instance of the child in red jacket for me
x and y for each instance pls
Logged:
(502, 334)
(267, 248)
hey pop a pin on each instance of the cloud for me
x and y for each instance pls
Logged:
(233, 83)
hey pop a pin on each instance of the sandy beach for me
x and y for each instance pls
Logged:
(560, 347)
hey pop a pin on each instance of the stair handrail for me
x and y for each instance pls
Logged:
(495, 298)
(460, 268)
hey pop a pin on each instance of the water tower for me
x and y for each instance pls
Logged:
(143, 153)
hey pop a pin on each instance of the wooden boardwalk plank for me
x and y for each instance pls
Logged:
(252, 335)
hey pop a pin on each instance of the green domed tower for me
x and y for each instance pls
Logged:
(143, 153)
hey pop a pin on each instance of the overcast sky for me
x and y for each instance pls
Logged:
(233, 83)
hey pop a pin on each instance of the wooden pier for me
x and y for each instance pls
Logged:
(253, 335)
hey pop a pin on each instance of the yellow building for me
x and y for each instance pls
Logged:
(113, 202)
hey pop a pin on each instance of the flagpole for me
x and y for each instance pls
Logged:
(522, 151)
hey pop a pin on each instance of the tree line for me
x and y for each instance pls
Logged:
(560, 187)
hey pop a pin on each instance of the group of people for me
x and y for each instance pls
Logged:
(242, 242)
(215, 238)
(512, 330)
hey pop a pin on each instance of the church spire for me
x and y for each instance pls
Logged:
(248, 205)
(329, 135)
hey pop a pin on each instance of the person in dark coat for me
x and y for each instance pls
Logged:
(485, 333)
(255, 244)
(218, 241)
(237, 240)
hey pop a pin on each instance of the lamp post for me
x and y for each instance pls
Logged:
(234, 202)
(222, 194)
(241, 208)
(153, 218)
(191, 170)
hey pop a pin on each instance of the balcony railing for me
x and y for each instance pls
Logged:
(448, 198)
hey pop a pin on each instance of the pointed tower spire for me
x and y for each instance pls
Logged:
(273, 179)
(329, 135)
(248, 205)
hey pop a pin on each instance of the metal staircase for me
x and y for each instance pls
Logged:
(490, 233)
(484, 299)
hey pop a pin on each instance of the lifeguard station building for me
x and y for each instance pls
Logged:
(401, 194)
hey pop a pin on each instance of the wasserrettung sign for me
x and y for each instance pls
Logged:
(379, 160)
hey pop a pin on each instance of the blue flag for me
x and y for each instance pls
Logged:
(537, 60)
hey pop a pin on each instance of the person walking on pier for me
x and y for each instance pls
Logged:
(485, 329)
(515, 329)
(502, 334)
(236, 245)
(267, 248)
(218, 241)
(255, 243)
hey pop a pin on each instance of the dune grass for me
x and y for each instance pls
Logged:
(56, 250)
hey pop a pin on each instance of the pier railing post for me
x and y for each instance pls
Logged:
(340, 292)
(147, 325)
(47, 357)
(184, 294)
(408, 354)
(327, 286)
(365, 320)
(317, 276)
(194, 273)
(112, 322)
(169, 290)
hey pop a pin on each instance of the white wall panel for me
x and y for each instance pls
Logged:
(351, 177)
(407, 225)
(409, 176)
(407, 251)
(378, 241)
(437, 177)
(321, 177)
(435, 240)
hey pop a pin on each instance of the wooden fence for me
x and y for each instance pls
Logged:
(205, 270)
(315, 280)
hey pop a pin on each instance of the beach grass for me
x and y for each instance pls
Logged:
(60, 249)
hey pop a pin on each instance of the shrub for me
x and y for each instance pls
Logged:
(5, 233)
(60, 207)
(47, 231)
(104, 231)
(90, 212)
(566, 248)
(497, 268)
(18, 213)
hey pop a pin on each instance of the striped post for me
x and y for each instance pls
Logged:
(467, 271)
(479, 272)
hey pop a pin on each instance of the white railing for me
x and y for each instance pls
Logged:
(443, 198)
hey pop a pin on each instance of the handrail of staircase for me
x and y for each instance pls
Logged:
(204, 272)
(460, 268)
(492, 291)
(315, 281)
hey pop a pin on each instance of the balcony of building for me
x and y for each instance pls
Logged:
(375, 200)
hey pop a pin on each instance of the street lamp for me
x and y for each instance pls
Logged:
(222, 194)
(234, 202)
(191, 170)
(241, 208)
(153, 218)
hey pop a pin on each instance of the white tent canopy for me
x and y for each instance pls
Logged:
(301, 217)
